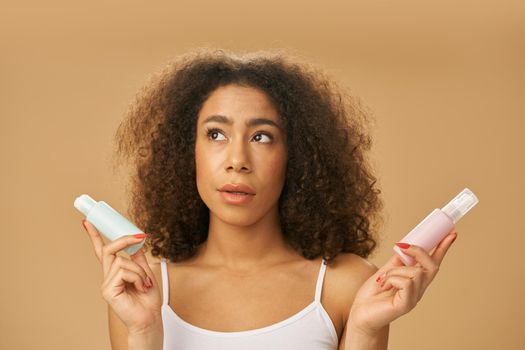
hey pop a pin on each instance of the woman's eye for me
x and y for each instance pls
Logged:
(213, 132)
(269, 137)
(213, 135)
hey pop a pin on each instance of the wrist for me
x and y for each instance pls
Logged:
(360, 339)
(360, 329)
(147, 338)
(146, 341)
(357, 340)
(150, 324)
(361, 332)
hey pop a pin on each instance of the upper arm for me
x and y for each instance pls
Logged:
(118, 332)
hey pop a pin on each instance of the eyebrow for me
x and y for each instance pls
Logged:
(250, 122)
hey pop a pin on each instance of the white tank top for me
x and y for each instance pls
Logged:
(309, 329)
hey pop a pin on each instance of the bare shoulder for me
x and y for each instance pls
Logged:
(344, 276)
(352, 267)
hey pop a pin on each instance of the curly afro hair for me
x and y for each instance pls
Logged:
(329, 203)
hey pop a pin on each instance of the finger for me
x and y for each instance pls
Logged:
(140, 258)
(116, 285)
(124, 263)
(393, 262)
(95, 238)
(110, 250)
(371, 286)
(407, 291)
(407, 271)
(422, 257)
(453, 231)
(415, 273)
(441, 250)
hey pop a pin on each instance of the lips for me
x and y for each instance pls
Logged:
(239, 188)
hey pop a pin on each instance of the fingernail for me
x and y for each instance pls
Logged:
(147, 282)
(139, 252)
(381, 276)
(140, 235)
(403, 245)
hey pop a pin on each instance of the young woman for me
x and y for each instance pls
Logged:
(252, 183)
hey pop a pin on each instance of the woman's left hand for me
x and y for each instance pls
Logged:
(395, 289)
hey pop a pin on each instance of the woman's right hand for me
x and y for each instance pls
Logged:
(129, 286)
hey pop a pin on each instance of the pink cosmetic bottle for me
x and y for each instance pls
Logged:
(429, 232)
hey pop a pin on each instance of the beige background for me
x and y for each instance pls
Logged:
(445, 79)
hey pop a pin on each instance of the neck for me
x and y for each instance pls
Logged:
(245, 248)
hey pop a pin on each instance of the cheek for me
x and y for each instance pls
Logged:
(208, 165)
(276, 169)
(201, 163)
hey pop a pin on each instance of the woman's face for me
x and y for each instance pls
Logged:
(240, 140)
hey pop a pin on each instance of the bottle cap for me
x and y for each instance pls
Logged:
(84, 203)
(460, 205)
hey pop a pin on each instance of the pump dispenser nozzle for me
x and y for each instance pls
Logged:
(460, 205)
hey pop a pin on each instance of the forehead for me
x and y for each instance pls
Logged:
(238, 103)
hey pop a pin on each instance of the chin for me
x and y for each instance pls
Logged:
(236, 216)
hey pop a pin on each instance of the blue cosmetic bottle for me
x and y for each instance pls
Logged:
(107, 220)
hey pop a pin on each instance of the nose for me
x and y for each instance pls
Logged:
(238, 157)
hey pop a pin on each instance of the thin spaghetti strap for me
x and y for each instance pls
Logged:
(320, 280)
(165, 284)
